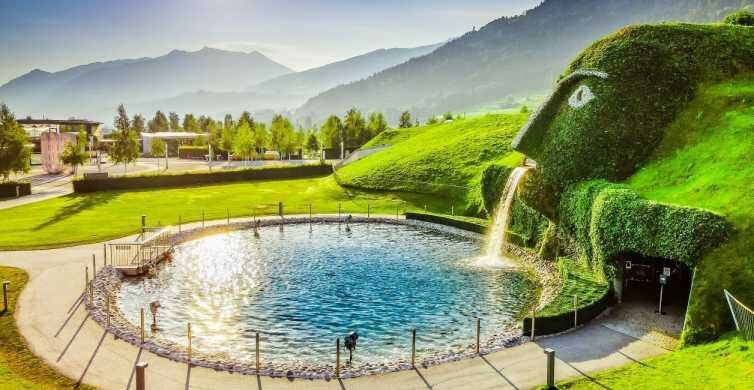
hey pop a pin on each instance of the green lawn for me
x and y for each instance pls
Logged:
(725, 364)
(77, 219)
(578, 280)
(445, 159)
(19, 368)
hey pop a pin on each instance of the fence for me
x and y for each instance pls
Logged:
(743, 316)
(150, 245)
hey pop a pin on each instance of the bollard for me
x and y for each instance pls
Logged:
(550, 367)
(94, 266)
(257, 353)
(5, 296)
(533, 317)
(575, 310)
(452, 210)
(397, 208)
(368, 210)
(142, 325)
(413, 348)
(337, 357)
(104, 253)
(280, 209)
(179, 224)
(227, 215)
(202, 219)
(140, 378)
(143, 223)
(478, 333)
(189, 349)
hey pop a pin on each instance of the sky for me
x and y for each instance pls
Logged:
(54, 35)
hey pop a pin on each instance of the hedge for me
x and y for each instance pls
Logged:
(457, 223)
(195, 179)
(8, 189)
(562, 322)
(192, 152)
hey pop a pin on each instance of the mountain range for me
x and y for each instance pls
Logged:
(510, 56)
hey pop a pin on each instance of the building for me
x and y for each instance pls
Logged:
(36, 127)
(173, 139)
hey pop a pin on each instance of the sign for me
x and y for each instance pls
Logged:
(666, 271)
(628, 265)
(663, 279)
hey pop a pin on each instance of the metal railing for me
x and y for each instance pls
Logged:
(743, 316)
(149, 247)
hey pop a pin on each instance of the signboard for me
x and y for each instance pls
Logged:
(628, 265)
(666, 271)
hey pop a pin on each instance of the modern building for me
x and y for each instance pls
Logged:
(173, 139)
(49, 136)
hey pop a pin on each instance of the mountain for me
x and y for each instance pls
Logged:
(509, 56)
(281, 93)
(310, 82)
(90, 89)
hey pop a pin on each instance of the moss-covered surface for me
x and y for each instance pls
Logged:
(725, 364)
(19, 368)
(645, 105)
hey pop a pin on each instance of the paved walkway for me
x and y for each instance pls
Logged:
(57, 328)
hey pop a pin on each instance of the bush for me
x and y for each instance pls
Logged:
(192, 152)
(8, 189)
(740, 18)
(195, 179)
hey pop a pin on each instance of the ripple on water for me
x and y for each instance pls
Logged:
(303, 289)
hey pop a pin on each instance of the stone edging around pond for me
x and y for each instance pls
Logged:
(107, 282)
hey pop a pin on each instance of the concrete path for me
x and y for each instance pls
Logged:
(57, 328)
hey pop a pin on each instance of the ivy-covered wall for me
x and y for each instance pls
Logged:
(610, 111)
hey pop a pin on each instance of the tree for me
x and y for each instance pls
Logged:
(524, 109)
(312, 145)
(332, 132)
(448, 116)
(137, 124)
(158, 147)
(158, 123)
(226, 139)
(14, 155)
(190, 123)
(405, 121)
(377, 124)
(228, 121)
(432, 120)
(74, 153)
(175, 122)
(281, 134)
(243, 144)
(355, 128)
(125, 147)
(260, 137)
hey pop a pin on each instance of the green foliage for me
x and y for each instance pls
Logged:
(190, 124)
(332, 132)
(158, 123)
(377, 124)
(524, 109)
(724, 364)
(282, 137)
(74, 153)
(137, 124)
(14, 155)
(158, 147)
(125, 148)
(579, 280)
(243, 143)
(175, 121)
(740, 18)
(405, 120)
(312, 145)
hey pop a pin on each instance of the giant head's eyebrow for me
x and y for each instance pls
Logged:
(545, 110)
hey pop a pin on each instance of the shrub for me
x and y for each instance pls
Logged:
(191, 152)
(740, 18)
(8, 188)
(194, 179)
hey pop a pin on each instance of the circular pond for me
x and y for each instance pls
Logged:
(301, 289)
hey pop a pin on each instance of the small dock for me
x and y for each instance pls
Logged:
(137, 257)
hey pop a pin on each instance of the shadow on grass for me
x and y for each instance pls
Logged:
(77, 204)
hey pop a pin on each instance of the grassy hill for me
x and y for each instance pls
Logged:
(446, 159)
(707, 161)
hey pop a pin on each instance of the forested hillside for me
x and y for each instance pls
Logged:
(509, 56)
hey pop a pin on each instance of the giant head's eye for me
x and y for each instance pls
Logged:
(581, 96)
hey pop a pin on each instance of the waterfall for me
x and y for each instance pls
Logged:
(497, 238)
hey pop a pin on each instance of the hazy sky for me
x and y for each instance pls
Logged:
(54, 35)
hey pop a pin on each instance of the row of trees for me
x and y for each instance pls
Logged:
(14, 155)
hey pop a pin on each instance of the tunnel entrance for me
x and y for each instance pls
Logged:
(638, 284)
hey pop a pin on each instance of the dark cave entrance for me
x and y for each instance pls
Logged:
(638, 283)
